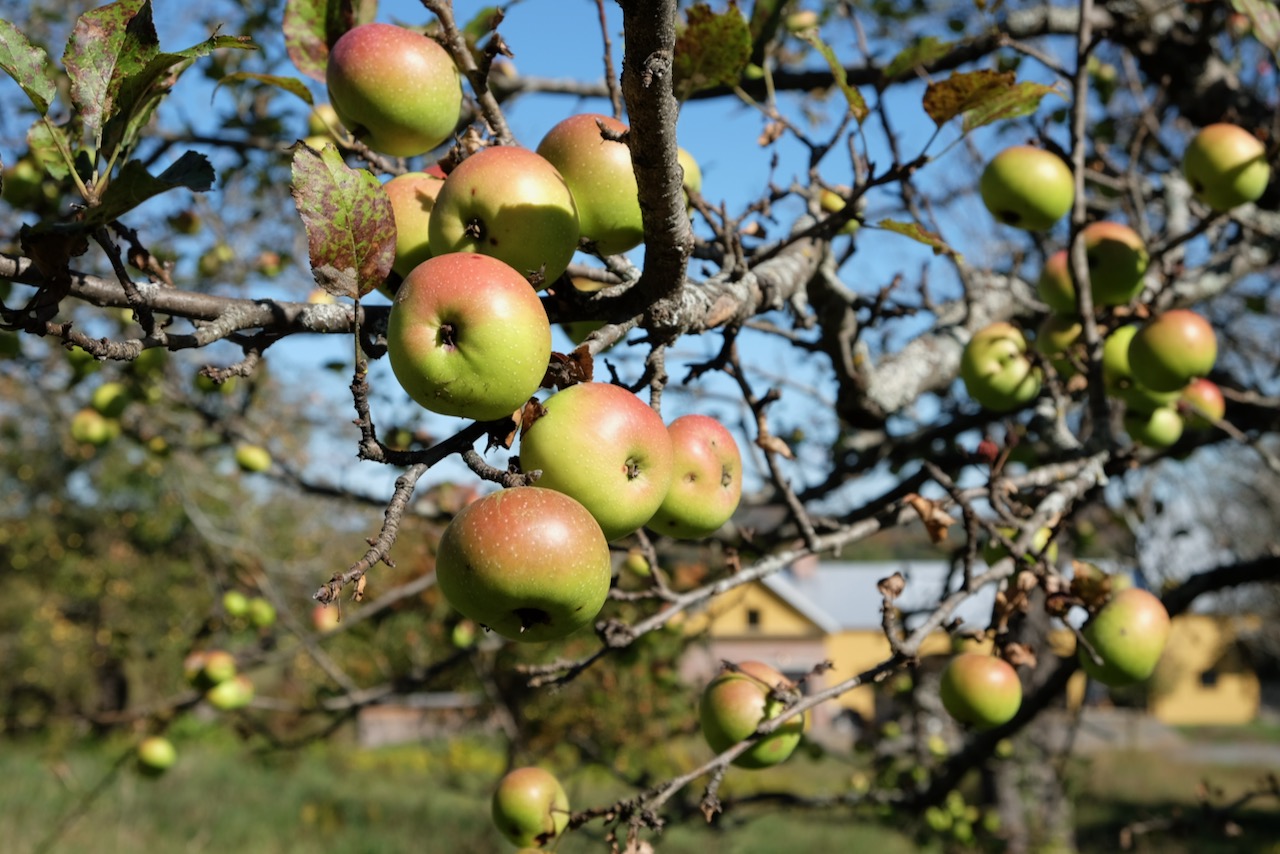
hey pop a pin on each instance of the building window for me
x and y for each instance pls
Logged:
(753, 619)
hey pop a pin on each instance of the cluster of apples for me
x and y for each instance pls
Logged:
(1157, 368)
(469, 337)
(215, 673)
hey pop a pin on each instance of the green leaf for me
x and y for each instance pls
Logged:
(482, 23)
(28, 65)
(712, 49)
(107, 45)
(47, 142)
(351, 231)
(857, 106)
(291, 85)
(963, 91)
(1264, 17)
(1020, 100)
(919, 234)
(922, 52)
(135, 185)
(312, 26)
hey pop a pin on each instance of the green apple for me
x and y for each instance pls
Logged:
(261, 612)
(90, 427)
(994, 551)
(692, 181)
(252, 458)
(1027, 187)
(1117, 262)
(468, 337)
(1160, 428)
(706, 481)
(637, 564)
(996, 370)
(1226, 166)
(234, 693)
(23, 183)
(206, 384)
(1202, 404)
(1059, 337)
(1118, 378)
(529, 563)
(736, 702)
(599, 174)
(602, 445)
(412, 195)
(512, 204)
(1129, 635)
(322, 123)
(155, 755)
(235, 604)
(394, 89)
(463, 634)
(1171, 349)
(578, 330)
(980, 690)
(832, 202)
(530, 807)
(205, 669)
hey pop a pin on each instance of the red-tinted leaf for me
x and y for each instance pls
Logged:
(712, 49)
(312, 26)
(1264, 17)
(28, 65)
(351, 232)
(107, 45)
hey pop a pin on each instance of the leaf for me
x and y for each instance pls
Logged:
(712, 49)
(135, 185)
(936, 520)
(891, 588)
(351, 232)
(47, 141)
(922, 52)
(775, 445)
(107, 45)
(1264, 17)
(482, 23)
(964, 91)
(1021, 100)
(292, 85)
(28, 65)
(312, 26)
(857, 105)
(919, 234)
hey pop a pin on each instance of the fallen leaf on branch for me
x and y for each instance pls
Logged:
(773, 445)
(936, 520)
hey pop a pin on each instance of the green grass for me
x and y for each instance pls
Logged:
(220, 797)
(1258, 731)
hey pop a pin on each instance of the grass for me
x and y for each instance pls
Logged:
(221, 798)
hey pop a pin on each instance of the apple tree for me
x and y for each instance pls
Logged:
(541, 327)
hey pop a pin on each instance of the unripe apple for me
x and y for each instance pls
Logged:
(980, 690)
(1027, 187)
(530, 807)
(205, 669)
(1128, 634)
(637, 564)
(1202, 404)
(261, 613)
(1171, 349)
(736, 702)
(602, 445)
(529, 563)
(467, 336)
(155, 755)
(206, 384)
(1160, 428)
(252, 458)
(235, 603)
(599, 174)
(89, 427)
(692, 172)
(996, 370)
(512, 204)
(1059, 337)
(412, 195)
(394, 89)
(1117, 262)
(832, 202)
(994, 551)
(706, 481)
(234, 693)
(1226, 166)
(1118, 378)
(322, 121)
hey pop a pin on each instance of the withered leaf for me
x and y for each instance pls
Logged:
(891, 588)
(936, 520)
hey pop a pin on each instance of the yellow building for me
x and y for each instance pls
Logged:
(804, 615)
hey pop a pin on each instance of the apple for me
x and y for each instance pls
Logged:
(395, 89)
(600, 444)
(832, 202)
(692, 181)
(1226, 166)
(994, 551)
(1117, 262)
(90, 427)
(208, 385)
(980, 690)
(736, 702)
(110, 399)
(996, 370)
(468, 337)
(206, 668)
(1059, 337)
(1202, 404)
(530, 807)
(510, 203)
(1128, 634)
(1160, 428)
(322, 121)
(412, 195)
(529, 563)
(1055, 286)
(252, 458)
(155, 755)
(463, 634)
(637, 564)
(261, 613)
(706, 481)
(325, 618)
(235, 603)
(1027, 187)
(1171, 349)
(578, 330)
(599, 174)
(231, 694)
(1118, 378)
